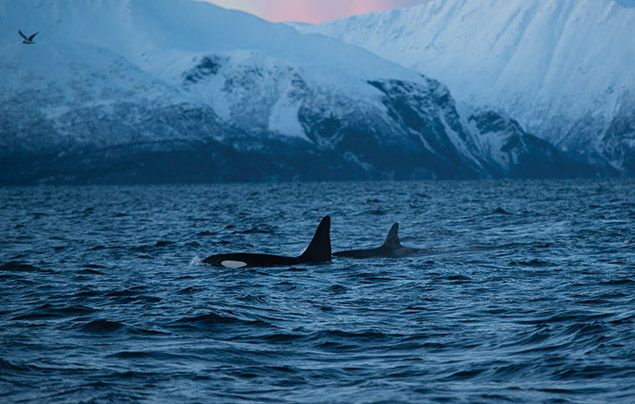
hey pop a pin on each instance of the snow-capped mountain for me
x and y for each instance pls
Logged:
(174, 90)
(563, 69)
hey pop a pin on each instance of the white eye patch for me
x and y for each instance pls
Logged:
(233, 264)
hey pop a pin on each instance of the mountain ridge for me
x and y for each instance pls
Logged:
(562, 69)
(169, 96)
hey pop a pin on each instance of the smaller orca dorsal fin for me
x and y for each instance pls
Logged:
(320, 248)
(392, 240)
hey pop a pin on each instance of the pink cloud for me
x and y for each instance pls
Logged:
(311, 10)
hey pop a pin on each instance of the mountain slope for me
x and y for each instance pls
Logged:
(186, 91)
(563, 68)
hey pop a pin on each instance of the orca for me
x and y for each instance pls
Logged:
(319, 250)
(391, 248)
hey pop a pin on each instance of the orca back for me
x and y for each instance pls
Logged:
(319, 250)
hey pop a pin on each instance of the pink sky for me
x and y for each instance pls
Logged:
(311, 10)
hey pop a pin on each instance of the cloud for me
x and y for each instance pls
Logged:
(311, 10)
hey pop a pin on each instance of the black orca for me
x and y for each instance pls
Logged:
(391, 248)
(318, 251)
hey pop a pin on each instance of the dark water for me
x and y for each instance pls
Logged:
(529, 295)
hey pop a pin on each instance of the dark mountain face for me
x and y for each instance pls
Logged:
(521, 155)
(619, 140)
(411, 131)
(403, 137)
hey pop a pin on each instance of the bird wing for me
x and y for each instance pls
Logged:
(22, 35)
(33, 36)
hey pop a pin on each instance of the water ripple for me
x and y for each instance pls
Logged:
(525, 293)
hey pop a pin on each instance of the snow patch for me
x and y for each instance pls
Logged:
(284, 118)
(558, 67)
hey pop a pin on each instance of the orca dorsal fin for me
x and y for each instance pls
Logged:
(320, 248)
(392, 240)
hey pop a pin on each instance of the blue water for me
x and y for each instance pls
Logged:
(528, 294)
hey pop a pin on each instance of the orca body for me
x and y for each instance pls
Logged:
(319, 250)
(391, 248)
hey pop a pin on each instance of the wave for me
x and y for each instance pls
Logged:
(459, 278)
(8, 366)
(213, 320)
(155, 355)
(133, 294)
(88, 271)
(464, 375)
(260, 229)
(360, 336)
(102, 326)
(46, 311)
(618, 282)
(501, 211)
(534, 262)
(18, 266)
(205, 233)
(158, 245)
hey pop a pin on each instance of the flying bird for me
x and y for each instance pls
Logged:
(28, 39)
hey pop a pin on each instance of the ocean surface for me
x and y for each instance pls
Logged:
(527, 294)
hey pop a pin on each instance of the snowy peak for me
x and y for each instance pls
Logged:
(552, 65)
(186, 91)
(531, 41)
(154, 34)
